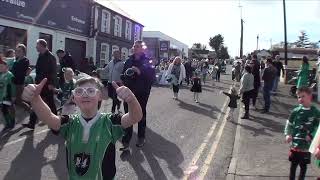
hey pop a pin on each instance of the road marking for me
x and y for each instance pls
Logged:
(233, 164)
(208, 160)
(203, 145)
(25, 137)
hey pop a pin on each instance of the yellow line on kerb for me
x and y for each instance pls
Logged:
(204, 143)
(213, 149)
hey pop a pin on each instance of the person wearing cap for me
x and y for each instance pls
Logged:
(7, 93)
(46, 67)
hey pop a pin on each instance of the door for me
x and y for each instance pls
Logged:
(77, 49)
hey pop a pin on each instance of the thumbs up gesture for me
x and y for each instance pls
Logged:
(123, 92)
(33, 90)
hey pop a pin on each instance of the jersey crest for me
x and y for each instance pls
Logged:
(81, 163)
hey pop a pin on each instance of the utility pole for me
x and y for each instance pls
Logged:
(241, 37)
(257, 42)
(285, 34)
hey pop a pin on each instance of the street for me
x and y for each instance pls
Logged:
(185, 140)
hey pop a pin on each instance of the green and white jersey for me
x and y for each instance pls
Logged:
(28, 80)
(67, 88)
(7, 87)
(302, 122)
(91, 145)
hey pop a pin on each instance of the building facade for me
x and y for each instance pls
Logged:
(64, 24)
(84, 28)
(112, 30)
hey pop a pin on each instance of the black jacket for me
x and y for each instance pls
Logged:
(233, 100)
(279, 67)
(140, 84)
(256, 74)
(46, 67)
(19, 70)
(67, 61)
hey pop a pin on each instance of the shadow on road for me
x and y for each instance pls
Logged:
(29, 163)
(156, 148)
(5, 136)
(210, 111)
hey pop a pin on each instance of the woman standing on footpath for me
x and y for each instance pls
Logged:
(303, 76)
(246, 89)
(176, 70)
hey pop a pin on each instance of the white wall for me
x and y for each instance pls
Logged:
(58, 38)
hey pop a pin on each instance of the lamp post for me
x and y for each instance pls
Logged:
(285, 34)
(241, 37)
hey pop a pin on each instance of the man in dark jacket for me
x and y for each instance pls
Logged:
(268, 76)
(19, 70)
(256, 74)
(188, 68)
(140, 84)
(279, 67)
(46, 67)
(65, 61)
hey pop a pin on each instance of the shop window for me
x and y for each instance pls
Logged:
(105, 21)
(48, 38)
(10, 37)
(128, 30)
(124, 53)
(104, 54)
(117, 26)
(137, 32)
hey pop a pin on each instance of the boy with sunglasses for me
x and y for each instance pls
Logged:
(90, 136)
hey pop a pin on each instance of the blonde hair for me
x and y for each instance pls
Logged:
(177, 58)
(233, 90)
(68, 70)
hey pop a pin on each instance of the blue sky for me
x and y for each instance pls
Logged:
(193, 21)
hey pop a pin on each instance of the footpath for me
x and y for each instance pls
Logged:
(259, 151)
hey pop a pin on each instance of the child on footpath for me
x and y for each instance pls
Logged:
(299, 130)
(90, 135)
(65, 91)
(28, 79)
(7, 94)
(233, 98)
(196, 87)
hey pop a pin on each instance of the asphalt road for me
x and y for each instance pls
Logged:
(185, 140)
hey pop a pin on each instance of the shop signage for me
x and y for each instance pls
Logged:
(164, 46)
(67, 15)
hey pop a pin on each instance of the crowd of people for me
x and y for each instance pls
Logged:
(91, 135)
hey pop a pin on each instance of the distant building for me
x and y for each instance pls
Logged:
(162, 46)
(296, 53)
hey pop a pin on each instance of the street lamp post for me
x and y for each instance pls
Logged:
(285, 34)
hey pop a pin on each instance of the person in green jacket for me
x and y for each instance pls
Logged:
(303, 77)
(7, 94)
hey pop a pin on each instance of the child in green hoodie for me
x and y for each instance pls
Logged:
(299, 130)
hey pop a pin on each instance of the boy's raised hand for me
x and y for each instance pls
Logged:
(123, 92)
(33, 90)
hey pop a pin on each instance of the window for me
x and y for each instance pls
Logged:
(117, 25)
(10, 37)
(124, 53)
(115, 48)
(105, 21)
(48, 38)
(128, 29)
(104, 54)
(137, 32)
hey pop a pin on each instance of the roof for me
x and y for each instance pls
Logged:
(112, 6)
(297, 50)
